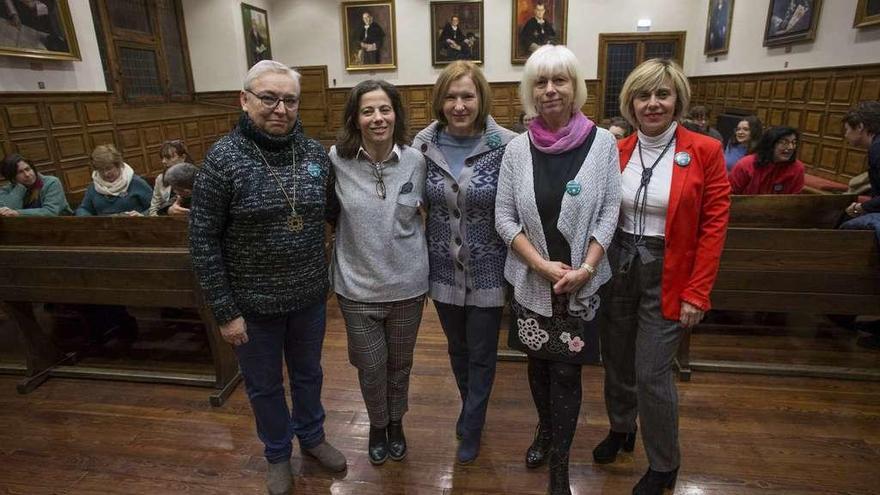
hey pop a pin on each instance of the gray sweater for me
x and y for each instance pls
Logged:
(592, 214)
(381, 254)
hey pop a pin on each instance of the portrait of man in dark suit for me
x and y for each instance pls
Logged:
(537, 23)
(368, 28)
(369, 39)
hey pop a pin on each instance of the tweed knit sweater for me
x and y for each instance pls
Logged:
(465, 252)
(247, 260)
(591, 214)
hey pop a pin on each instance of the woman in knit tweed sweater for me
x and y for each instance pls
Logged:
(463, 150)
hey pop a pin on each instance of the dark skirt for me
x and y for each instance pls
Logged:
(562, 337)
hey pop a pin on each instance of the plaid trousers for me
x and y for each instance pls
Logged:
(381, 340)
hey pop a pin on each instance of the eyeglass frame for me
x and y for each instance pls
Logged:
(380, 182)
(273, 106)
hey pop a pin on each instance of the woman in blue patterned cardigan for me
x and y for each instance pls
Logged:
(463, 150)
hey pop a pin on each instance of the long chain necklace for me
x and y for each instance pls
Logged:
(294, 220)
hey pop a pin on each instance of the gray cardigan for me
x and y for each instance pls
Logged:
(590, 214)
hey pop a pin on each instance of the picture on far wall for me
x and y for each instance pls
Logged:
(536, 23)
(256, 34)
(791, 21)
(867, 13)
(369, 36)
(718, 24)
(37, 29)
(456, 31)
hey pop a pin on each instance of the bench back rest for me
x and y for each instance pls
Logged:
(97, 260)
(793, 211)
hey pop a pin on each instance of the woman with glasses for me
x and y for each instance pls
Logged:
(773, 168)
(381, 256)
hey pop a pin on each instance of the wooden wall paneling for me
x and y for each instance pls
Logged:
(98, 112)
(64, 115)
(842, 90)
(834, 125)
(776, 117)
(313, 99)
(36, 149)
(780, 89)
(191, 131)
(829, 159)
(799, 89)
(71, 147)
(794, 118)
(750, 89)
(24, 117)
(870, 88)
(765, 89)
(854, 163)
(818, 90)
(813, 122)
(171, 131)
(77, 179)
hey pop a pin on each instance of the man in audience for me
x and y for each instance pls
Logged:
(181, 178)
(619, 127)
(862, 129)
(257, 240)
(700, 115)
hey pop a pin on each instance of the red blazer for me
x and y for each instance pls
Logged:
(696, 221)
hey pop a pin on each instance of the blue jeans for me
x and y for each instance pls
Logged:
(867, 221)
(472, 336)
(297, 338)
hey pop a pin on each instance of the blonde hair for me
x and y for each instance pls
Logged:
(105, 156)
(548, 61)
(648, 76)
(453, 72)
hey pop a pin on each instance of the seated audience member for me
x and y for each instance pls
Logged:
(30, 193)
(522, 123)
(619, 127)
(744, 140)
(862, 129)
(701, 115)
(115, 189)
(180, 179)
(773, 168)
(172, 153)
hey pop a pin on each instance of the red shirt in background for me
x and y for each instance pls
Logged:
(773, 178)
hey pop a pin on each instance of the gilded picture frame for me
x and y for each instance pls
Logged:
(42, 30)
(867, 13)
(369, 35)
(534, 23)
(456, 32)
(258, 45)
(791, 21)
(718, 24)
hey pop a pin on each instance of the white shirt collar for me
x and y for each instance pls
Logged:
(394, 156)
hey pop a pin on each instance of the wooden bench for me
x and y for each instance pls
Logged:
(142, 262)
(783, 255)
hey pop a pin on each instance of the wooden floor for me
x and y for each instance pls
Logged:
(740, 434)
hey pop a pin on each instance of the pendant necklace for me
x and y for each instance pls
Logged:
(294, 220)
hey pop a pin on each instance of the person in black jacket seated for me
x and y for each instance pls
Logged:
(257, 224)
(453, 44)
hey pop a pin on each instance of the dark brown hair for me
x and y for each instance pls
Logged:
(177, 146)
(768, 141)
(866, 113)
(349, 139)
(10, 166)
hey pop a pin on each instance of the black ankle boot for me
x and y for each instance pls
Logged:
(536, 456)
(396, 441)
(559, 484)
(378, 448)
(655, 482)
(606, 451)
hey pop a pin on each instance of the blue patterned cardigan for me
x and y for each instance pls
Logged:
(466, 254)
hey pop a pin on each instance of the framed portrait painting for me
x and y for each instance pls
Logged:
(369, 35)
(718, 27)
(791, 21)
(41, 29)
(256, 34)
(456, 31)
(867, 13)
(536, 23)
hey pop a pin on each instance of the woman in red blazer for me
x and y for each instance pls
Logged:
(664, 258)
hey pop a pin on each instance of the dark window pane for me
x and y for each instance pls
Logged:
(620, 61)
(659, 49)
(172, 45)
(140, 73)
(129, 14)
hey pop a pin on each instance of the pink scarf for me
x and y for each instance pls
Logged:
(566, 138)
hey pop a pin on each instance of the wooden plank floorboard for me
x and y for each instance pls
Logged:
(740, 434)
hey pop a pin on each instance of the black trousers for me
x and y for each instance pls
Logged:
(556, 390)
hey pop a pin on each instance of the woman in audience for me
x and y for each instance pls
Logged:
(115, 189)
(172, 153)
(556, 209)
(463, 149)
(745, 138)
(665, 255)
(773, 168)
(381, 258)
(30, 193)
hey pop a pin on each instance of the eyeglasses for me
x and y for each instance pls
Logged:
(787, 142)
(380, 183)
(271, 102)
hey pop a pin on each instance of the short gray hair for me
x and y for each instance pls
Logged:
(269, 66)
(180, 176)
(547, 61)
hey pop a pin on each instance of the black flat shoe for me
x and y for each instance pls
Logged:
(606, 451)
(656, 482)
(536, 455)
(396, 441)
(378, 447)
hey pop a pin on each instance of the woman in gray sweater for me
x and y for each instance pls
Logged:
(556, 209)
(380, 258)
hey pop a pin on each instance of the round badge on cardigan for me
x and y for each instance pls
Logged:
(682, 159)
(573, 188)
(314, 169)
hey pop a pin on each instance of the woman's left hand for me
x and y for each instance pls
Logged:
(690, 315)
(571, 281)
(8, 212)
